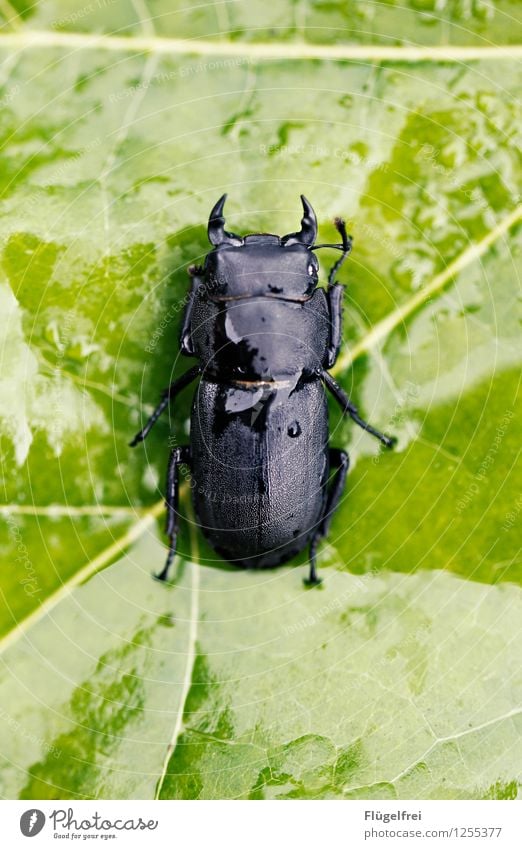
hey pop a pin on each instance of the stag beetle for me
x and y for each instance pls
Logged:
(265, 481)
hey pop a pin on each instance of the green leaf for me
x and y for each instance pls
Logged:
(400, 676)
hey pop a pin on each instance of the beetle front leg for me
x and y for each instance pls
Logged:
(343, 400)
(334, 296)
(185, 339)
(178, 457)
(168, 395)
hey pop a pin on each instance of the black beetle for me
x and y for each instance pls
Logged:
(264, 480)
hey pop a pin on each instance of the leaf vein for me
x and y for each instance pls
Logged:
(191, 651)
(258, 50)
(383, 328)
(56, 510)
(131, 535)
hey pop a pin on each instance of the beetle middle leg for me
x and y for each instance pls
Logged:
(178, 456)
(340, 461)
(167, 396)
(343, 400)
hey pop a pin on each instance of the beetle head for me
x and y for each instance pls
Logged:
(261, 263)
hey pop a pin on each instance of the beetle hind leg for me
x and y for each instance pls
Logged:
(178, 457)
(313, 580)
(339, 461)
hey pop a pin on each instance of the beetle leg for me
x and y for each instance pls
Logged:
(346, 250)
(313, 580)
(343, 400)
(340, 461)
(178, 456)
(334, 296)
(186, 344)
(167, 396)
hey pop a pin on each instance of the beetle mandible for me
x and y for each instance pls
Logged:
(265, 481)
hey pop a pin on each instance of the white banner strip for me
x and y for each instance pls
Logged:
(258, 824)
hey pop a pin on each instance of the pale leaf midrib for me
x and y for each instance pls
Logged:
(291, 50)
(132, 534)
(383, 328)
(59, 510)
(191, 650)
(378, 332)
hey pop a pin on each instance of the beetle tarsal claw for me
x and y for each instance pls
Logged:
(312, 582)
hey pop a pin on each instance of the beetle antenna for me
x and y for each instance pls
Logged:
(347, 240)
(345, 247)
(340, 226)
(327, 245)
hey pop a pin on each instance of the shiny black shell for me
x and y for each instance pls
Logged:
(260, 338)
(259, 467)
